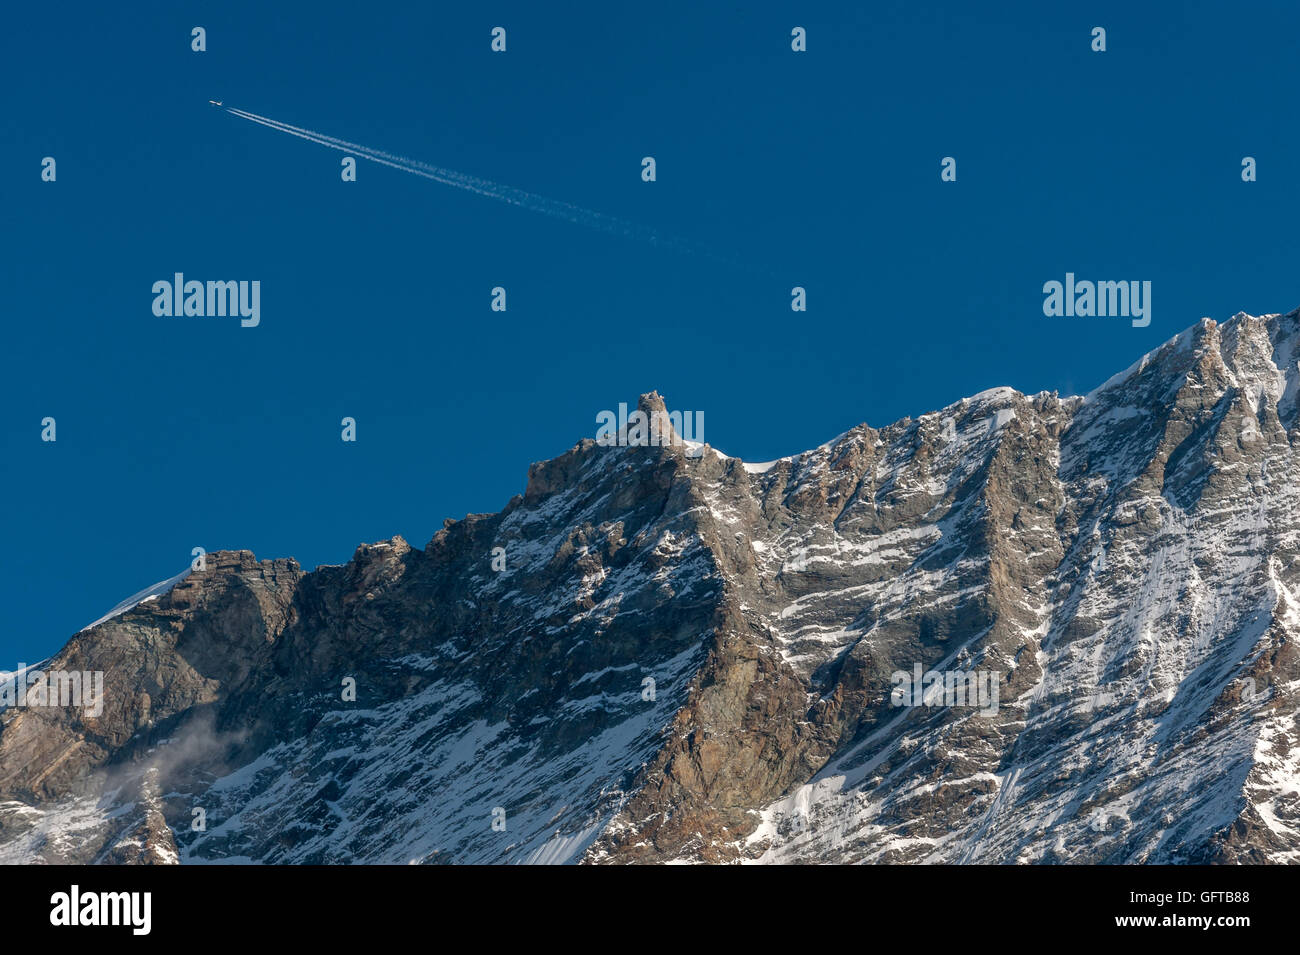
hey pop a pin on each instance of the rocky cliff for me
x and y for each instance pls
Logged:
(663, 653)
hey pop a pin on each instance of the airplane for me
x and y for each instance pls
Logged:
(214, 102)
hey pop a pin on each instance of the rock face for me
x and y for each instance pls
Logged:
(662, 653)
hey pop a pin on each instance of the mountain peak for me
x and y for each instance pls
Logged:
(656, 656)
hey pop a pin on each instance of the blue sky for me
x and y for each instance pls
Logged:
(818, 169)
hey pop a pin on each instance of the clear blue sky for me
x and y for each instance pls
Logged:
(818, 169)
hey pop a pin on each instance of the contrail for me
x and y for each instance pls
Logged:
(484, 187)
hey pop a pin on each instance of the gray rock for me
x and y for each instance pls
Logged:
(1124, 567)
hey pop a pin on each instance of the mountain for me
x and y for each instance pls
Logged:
(692, 658)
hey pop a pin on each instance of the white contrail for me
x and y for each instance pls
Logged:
(482, 187)
(449, 177)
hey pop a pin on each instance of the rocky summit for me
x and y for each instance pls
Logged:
(1021, 629)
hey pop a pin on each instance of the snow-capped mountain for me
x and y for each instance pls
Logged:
(663, 653)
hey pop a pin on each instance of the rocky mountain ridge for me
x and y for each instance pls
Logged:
(664, 653)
